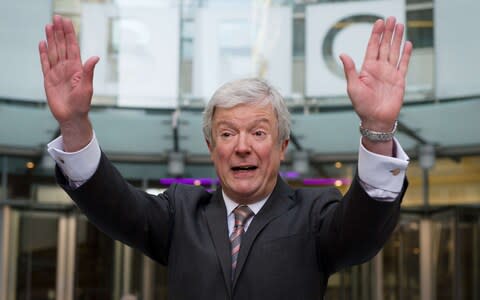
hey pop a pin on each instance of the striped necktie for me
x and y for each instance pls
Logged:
(242, 214)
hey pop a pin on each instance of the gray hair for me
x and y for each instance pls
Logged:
(247, 91)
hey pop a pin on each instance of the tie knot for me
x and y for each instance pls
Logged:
(242, 214)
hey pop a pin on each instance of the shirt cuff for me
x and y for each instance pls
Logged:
(382, 173)
(77, 166)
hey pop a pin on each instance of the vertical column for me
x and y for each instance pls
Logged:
(377, 284)
(70, 259)
(426, 274)
(476, 260)
(458, 259)
(117, 270)
(401, 265)
(12, 258)
(148, 274)
(4, 224)
(354, 282)
(5, 239)
(127, 270)
(61, 258)
(368, 281)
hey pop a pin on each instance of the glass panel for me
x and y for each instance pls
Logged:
(443, 257)
(351, 283)
(137, 274)
(401, 262)
(420, 28)
(299, 37)
(94, 264)
(37, 257)
(469, 255)
(160, 282)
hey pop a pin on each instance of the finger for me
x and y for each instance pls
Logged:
(72, 49)
(59, 36)
(52, 46)
(386, 39)
(42, 49)
(349, 68)
(374, 41)
(88, 69)
(396, 44)
(407, 53)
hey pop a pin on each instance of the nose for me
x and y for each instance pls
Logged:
(243, 145)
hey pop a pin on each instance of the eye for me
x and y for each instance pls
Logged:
(225, 134)
(260, 133)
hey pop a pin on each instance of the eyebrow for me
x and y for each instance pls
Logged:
(253, 124)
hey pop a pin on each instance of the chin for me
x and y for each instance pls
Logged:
(244, 192)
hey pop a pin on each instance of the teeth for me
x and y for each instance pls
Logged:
(246, 168)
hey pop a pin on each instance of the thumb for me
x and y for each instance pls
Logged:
(89, 67)
(348, 68)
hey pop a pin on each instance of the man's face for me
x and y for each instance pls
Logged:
(245, 151)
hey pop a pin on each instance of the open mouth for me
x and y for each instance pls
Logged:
(244, 168)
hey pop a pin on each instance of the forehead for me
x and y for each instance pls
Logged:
(245, 113)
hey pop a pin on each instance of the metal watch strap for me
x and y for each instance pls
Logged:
(376, 136)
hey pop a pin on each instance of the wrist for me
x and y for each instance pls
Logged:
(76, 134)
(386, 148)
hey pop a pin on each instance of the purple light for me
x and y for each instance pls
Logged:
(287, 175)
(290, 175)
(325, 181)
(191, 181)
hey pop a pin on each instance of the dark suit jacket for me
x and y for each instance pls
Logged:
(293, 244)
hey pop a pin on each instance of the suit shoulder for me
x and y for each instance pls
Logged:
(317, 196)
(184, 194)
(322, 194)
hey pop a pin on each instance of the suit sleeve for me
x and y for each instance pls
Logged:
(353, 229)
(123, 212)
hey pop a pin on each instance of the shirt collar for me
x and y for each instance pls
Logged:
(231, 205)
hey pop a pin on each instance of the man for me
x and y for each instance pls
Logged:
(254, 238)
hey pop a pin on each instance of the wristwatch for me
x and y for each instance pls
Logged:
(377, 136)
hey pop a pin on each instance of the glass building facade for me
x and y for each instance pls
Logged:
(159, 62)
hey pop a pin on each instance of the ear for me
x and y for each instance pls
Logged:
(209, 146)
(210, 149)
(283, 149)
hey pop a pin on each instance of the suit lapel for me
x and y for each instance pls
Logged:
(217, 223)
(279, 202)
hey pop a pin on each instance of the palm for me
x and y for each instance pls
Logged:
(377, 91)
(64, 90)
(380, 91)
(68, 83)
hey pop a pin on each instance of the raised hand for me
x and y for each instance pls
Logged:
(377, 91)
(68, 84)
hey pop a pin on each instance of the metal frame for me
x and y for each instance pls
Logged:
(67, 234)
(4, 249)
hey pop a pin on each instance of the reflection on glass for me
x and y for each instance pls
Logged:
(470, 255)
(235, 49)
(457, 260)
(420, 28)
(37, 257)
(401, 262)
(351, 283)
(94, 264)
